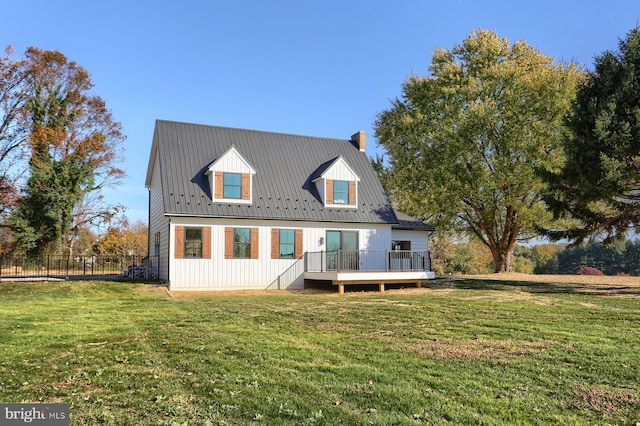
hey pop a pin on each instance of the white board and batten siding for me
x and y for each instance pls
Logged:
(419, 239)
(219, 273)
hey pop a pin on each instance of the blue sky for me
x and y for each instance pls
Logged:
(320, 68)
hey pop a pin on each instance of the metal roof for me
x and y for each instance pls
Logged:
(285, 165)
(410, 223)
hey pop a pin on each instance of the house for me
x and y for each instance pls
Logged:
(244, 209)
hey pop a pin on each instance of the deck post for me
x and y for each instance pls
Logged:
(419, 284)
(340, 288)
(382, 287)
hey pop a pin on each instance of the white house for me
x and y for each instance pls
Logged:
(244, 209)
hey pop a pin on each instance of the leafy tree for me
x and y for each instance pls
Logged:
(452, 256)
(74, 144)
(463, 144)
(599, 186)
(545, 258)
(523, 261)
(124, 239)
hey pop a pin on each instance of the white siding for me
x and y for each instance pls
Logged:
(158, 222)
(419, 239)
(219, 273)
(231, 162)
(340, 171)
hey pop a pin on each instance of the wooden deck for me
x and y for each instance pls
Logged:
(344, 278)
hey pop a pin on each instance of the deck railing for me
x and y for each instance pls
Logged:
(367, 260)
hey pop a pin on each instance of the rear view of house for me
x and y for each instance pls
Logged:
(243, 209)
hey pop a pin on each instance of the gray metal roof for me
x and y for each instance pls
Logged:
(410, 223)
(285, 165)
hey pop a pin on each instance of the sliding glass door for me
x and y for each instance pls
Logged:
(342, 250)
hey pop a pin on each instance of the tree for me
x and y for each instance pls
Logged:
(13, 134)
(124, 239)
(464, 143)
(599, 186)
(74, 144)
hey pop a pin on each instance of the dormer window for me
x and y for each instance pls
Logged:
(337, 184)
(231, 178)
(340, 192)
(232, 185)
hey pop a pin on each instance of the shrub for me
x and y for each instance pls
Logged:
(622, 274)
(589, 270)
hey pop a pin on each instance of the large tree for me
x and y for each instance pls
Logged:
(463, 144)
(13, 133)
(599, 186)
(74, 144)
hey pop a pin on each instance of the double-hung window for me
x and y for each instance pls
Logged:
(232, 185)
(340, 192)
(241, 243)
(287, 243)
(193, 242)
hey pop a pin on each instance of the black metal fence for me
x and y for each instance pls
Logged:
(123, 268)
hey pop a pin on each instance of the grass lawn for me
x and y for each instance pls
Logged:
(475, 352)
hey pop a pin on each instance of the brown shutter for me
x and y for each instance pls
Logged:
(206, 242)
(298, 246)
(254, 243)
(275, 243)
(352, 193)
(329, 194)
(179, 242)
(219, 184)
(246, 186)
(228, 243)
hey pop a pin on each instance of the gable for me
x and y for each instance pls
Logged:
(231, 178)
(230, 161)
(282, 185)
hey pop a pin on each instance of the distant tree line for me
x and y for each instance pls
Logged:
(619, 258)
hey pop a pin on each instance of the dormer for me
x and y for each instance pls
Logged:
(231, 178)
(337, 184)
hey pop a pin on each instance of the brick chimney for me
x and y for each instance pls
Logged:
(359, 139)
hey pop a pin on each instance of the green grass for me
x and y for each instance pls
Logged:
(481, 353)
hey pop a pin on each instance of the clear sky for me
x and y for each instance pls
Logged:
(319, 68)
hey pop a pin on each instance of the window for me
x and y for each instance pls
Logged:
(242, 243)
(287, 243)
(340, 192)
(193, 242)
(401, 245)
(232, 185)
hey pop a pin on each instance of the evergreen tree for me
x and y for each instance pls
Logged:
(599, 186)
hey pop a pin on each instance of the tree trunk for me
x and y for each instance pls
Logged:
(502, 258)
